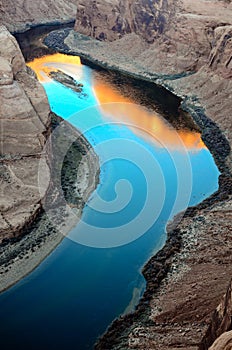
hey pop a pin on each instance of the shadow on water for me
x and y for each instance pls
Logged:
(31, 41)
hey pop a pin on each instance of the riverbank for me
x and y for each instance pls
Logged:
(80, 176)
(188, 277)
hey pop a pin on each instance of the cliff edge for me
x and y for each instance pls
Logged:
(25, 123)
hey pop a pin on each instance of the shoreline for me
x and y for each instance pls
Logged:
(20, 256)
(159, 270)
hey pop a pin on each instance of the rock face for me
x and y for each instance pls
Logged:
(21, 14)
(104, 20)
(110, 20)
(220, 59)
(221, 322)
(25, 122)
(224, 342)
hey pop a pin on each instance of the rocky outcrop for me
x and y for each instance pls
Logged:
(220, 59)
(66, 80)
(19, 15)
(25, 123)
(221, 322)
(224, 342)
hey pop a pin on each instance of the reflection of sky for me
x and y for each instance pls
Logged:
(43, 65)
(100, 92)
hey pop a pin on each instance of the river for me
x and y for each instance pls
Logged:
(149, 171)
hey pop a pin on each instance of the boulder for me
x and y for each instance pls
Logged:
(224, 342)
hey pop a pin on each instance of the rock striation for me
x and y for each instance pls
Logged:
(24, 123)
(224, 342)
(221, 322)
(220, 59)
(111, 20)
(19, 15)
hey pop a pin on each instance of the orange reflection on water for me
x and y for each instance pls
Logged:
(146, 124)
(44, 65)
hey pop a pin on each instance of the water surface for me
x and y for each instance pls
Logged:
(95, 276)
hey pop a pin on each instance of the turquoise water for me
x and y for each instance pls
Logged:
(91, 278)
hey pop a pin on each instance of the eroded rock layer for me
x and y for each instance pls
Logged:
(110, 20)
(223, 342)
(24, 125)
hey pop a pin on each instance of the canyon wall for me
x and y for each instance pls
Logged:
(24, 124)
(19, 15)
(110, 20)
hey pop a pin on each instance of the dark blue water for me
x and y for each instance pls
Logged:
(94, 274)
